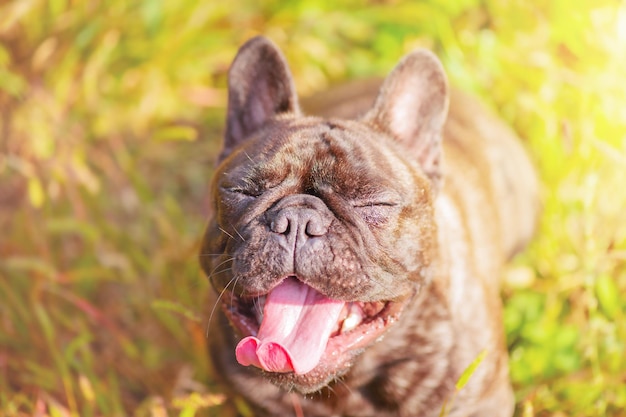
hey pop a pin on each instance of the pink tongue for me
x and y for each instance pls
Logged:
(297, 323)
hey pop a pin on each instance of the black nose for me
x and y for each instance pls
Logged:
(303, 216)
(298, 220)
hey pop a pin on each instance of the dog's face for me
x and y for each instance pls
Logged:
(322, 230)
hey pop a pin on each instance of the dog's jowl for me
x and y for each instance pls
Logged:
(355, 255)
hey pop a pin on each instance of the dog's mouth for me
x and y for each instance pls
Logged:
(302, 337)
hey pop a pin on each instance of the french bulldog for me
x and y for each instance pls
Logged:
(355, 257)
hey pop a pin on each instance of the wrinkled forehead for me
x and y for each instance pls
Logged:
(316, 153)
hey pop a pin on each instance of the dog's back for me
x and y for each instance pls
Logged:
(497, 157)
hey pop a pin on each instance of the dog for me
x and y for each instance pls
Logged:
(355, 255)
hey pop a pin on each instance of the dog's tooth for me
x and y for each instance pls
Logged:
(259, 306)
(351, 322)
(355, 317)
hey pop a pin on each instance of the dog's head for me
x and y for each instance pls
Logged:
(323, 229)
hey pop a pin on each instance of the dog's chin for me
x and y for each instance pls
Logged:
(349, 339)
(315, 380)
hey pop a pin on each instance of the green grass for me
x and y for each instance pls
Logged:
(111, 114)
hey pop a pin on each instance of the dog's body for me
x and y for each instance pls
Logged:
(355, 215)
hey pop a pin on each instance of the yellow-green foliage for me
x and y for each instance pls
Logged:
(110, 119)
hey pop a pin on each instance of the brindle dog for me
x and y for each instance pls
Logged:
(355, 257)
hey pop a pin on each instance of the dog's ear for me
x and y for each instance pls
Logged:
(259, 86)
(412, 107)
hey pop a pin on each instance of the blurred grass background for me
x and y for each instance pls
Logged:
(111, 114)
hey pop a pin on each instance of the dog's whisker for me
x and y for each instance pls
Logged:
(248, 156)
(224, 262)
(393, 292)
(215, 271)
(232, 297)
(227, 234)
(340, 380)
(211, 254)
(237, 232)
(258, 307)
(219, 297)
(221, 271)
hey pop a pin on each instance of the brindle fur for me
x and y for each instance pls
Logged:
(463, 213)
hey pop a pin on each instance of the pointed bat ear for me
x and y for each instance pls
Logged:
(412, 107)
(260, 86)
